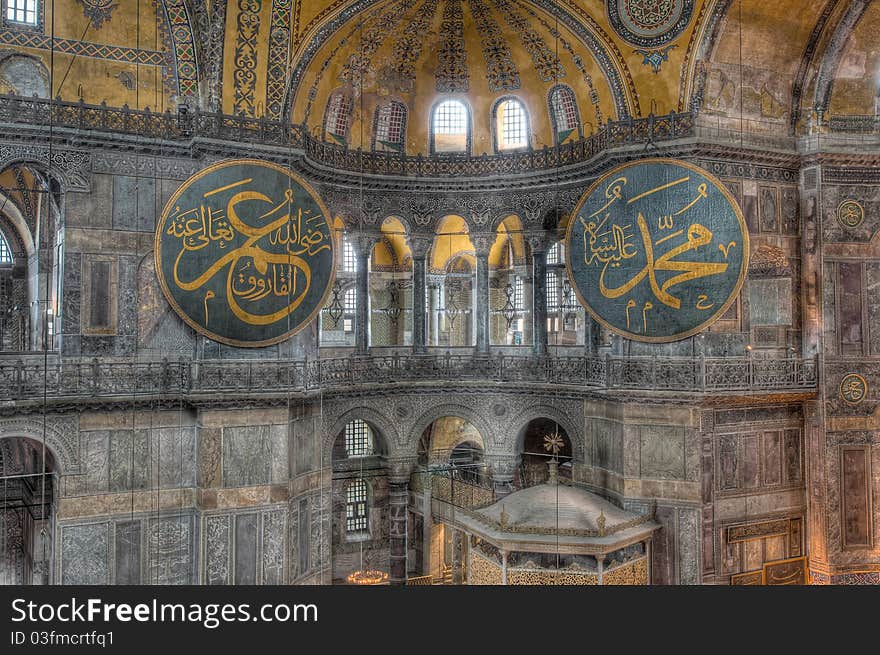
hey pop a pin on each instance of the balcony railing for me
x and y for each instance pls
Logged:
(184, 127)
(21, 380)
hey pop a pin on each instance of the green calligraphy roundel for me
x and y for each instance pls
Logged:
(657, 250)
(244, 253)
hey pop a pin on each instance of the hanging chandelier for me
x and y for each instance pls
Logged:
(509, 309)
(369, 577)
(335, 309)
(392, 310)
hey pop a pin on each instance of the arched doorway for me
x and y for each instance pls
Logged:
(360, 508)
(28, 479)
(542, 439)
(451, 455)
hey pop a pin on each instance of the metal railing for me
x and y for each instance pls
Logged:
(186, 126)
(28, 379)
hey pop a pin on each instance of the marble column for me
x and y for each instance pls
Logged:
(482, 245)
(419, 247)
(539, 243)
(363, 249)
(592, 335)
(435, 289)
(398, 510)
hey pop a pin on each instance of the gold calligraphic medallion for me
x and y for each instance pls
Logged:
(657, 250)
(850, 214)
(244, 253)
(853, 388)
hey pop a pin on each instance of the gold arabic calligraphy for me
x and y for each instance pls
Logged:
(612, 246)
(254, 273)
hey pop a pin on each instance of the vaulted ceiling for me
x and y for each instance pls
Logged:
(768, 63)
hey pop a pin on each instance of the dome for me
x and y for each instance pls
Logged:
(545, 506)
(379, 77)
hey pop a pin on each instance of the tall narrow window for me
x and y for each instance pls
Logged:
(390, 127)
(349, 307)
(349, 261)
(556, 254)
(5, 252)
(564, 113)
(358, 439)
(511, 125)
(336, 121)
(25, 12)
(552, 291)
(450, 127)
(518, 294)
(356, 512)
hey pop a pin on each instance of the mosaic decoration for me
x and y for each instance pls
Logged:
(184, 51)
(501, 72)
(850, 214)
(371, 40)
(244, 253)
(276, 73)
(28, 39)
(408, 49)
(214, 56)
(649, 23)
(655, 58)
(98, 11)
(658, 250)
(547, 65)
(853, 388)
(452, 72)
(245, 75)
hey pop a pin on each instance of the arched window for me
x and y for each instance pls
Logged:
(349, 261)
(25, 12)
(449, 131)
(357, 515)
(564, 113)
(511, 125)
(336, 120)
(556, 254)
(5, 252)
(390, 132)
(358, 439)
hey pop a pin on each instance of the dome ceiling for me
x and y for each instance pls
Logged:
(769, 63)
(419, 52)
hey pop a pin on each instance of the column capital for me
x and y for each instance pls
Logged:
(435, 279)
(420, 245)
(363, 241)
(483, 242)
(539, 240)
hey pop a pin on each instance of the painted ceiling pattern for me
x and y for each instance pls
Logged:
(281, 58)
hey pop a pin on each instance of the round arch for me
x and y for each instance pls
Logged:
(383, 429)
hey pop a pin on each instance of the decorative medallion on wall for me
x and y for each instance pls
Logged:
(850, 214)
(853, 388)
(657, 250)
(244, 253)
(649, 23)
(98, 11)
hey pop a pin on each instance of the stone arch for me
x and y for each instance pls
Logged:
(64, 447)
(517, 425)
(380, 424)
(834, 53)
(449, 409)
(18, 227)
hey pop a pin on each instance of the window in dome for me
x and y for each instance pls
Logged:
(390, 128)
(5, 252)
(450, 127)
(564, 114)
(356, 511)
(349, 261)
(338, 116)
(358, 439)
(23, 12)
(511, 125)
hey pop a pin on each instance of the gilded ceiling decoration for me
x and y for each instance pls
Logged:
(649, 23)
